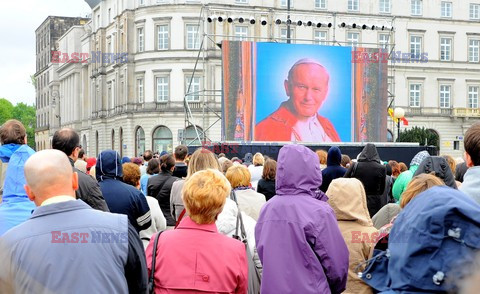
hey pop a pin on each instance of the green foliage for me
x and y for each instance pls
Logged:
(420, 135)
(6, 110)
(26, 114)
(22, 112)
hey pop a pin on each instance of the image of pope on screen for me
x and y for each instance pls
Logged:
(303, 93)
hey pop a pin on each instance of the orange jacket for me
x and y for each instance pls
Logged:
(279, 126)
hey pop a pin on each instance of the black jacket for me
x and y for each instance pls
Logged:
(160, 186)
(372, 174)
(267, 188)
(439, 166)
(89, 190)
(180, 170)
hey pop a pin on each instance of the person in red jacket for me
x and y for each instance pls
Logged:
(297, 119)
(195, 257)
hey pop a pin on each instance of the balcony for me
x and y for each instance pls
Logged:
(428, 111)
(466, 112)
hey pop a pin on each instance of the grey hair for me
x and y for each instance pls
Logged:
(303, 61)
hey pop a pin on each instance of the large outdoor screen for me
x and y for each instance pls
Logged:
(306, 93)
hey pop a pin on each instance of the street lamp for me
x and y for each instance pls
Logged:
(398, 113)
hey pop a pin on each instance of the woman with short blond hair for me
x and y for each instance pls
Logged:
(222, 265)
(248, 199)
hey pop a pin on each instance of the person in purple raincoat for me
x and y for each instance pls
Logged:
(297, 235)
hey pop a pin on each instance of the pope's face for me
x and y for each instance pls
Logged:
(307, 89)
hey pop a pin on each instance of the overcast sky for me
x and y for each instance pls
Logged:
(18, 22)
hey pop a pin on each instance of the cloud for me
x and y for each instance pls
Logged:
(17, 53)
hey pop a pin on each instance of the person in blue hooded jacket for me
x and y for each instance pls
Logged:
(334, 169)
(15, 207)
(120, 197)
(432, 240)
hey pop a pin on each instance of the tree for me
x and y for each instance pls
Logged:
(26, 114)
(423, 136)
(6, 110)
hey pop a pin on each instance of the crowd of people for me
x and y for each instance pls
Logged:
(308, 222)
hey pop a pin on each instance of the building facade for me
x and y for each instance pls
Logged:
(173, 55)
(47, 35)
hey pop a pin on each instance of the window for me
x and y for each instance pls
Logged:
(416, 47)
(140, 93)
(456, 145)
(241, 1)
(241, 32)
(111, 97)
(162, 89)
(384, 40)
(191, 137)
(283, 34)
(414, 95)
(353, 5)
(162, 139)
(384, 6)
(416, 7)
(474, 11)
(473, 96)
(109, 14)
(321, 4)
(141, 2)
(193, 39)
(284, 3)
(320, 37)
(445, 94)
(193, 88)
(353, 39)
(139, 141)
(473, 50)
(140, 40)
(446, 9)
(113, 139)
(445, 49)
(98, 21)
(162, 37)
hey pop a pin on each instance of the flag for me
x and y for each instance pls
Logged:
(405, 121)
(390, 112)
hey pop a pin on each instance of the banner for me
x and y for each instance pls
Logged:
(302, 93)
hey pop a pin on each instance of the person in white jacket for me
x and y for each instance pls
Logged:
(249, 201)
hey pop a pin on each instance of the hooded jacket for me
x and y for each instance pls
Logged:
(404, 178)
(291, 231)
(435, 233)
(372, 174)
(471, 183)
(334, 170)
(120, 197)
(15, 207)
(440, 167)
(347, 198)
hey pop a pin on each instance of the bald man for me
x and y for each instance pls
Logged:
(297, 119)
(66, 246)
